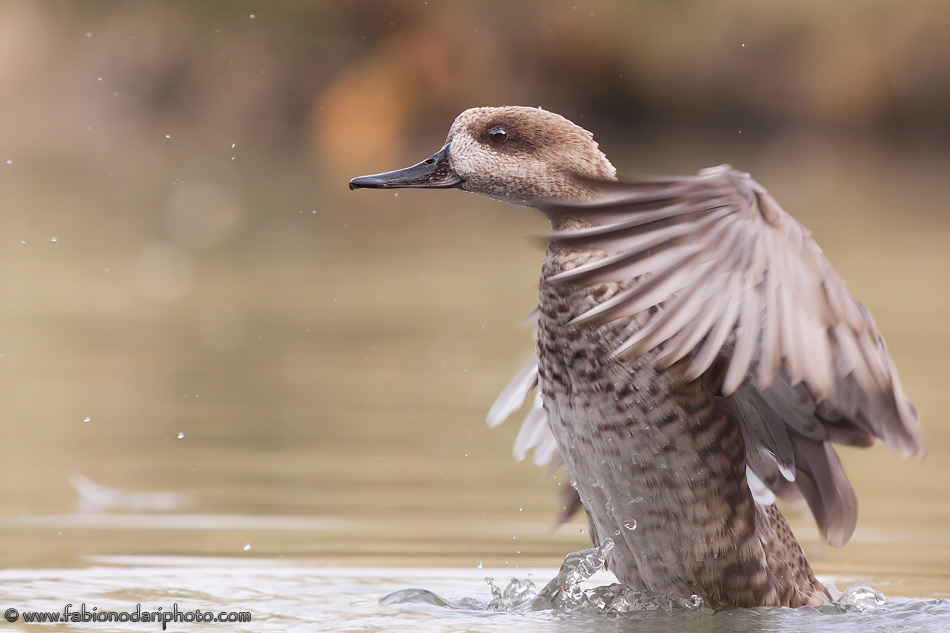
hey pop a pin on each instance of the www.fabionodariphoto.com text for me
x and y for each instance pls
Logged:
(70, 613)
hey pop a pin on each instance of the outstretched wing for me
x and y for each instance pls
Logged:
(740, 285)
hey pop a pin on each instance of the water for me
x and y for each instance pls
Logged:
(285, 596)
(290, 421)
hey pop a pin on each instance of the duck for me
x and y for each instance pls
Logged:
(697, 358)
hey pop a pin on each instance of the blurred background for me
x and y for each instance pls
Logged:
(210, 347)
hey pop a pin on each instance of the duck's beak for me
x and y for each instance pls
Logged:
(432, 173)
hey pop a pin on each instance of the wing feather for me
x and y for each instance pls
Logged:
(747, 332)
(722, 328)
(534, 432)
(770, 353)
(683, 343)
(514, 394)
(729, 276)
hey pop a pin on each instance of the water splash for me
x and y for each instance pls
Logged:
(564, 590)
(517, 597)
(862, 597)
(563, 593)
(424, 596)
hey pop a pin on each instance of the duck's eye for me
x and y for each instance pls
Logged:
(498, 134)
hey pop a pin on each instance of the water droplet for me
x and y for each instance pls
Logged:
(88, 34)
(520, 509)
(180, 435)
(479, 565)
(581, 530)
(53, 239)
(616, 532)
(247, 546)
(253, 16)
(168, 136)
(630, 524)
(87, 419)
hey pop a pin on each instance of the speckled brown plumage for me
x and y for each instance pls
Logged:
(651, 447)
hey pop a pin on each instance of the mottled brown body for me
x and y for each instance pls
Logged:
(658, 463)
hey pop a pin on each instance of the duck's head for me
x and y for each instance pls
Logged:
(517, 154)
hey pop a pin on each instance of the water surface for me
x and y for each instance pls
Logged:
(289, 419)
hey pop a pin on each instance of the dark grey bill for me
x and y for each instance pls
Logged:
(432, 173)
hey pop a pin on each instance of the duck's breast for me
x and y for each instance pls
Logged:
(656, 460)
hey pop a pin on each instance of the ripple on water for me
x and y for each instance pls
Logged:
(288, 596)
(860, 608)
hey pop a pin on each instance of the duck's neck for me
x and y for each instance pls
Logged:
(579, 188)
